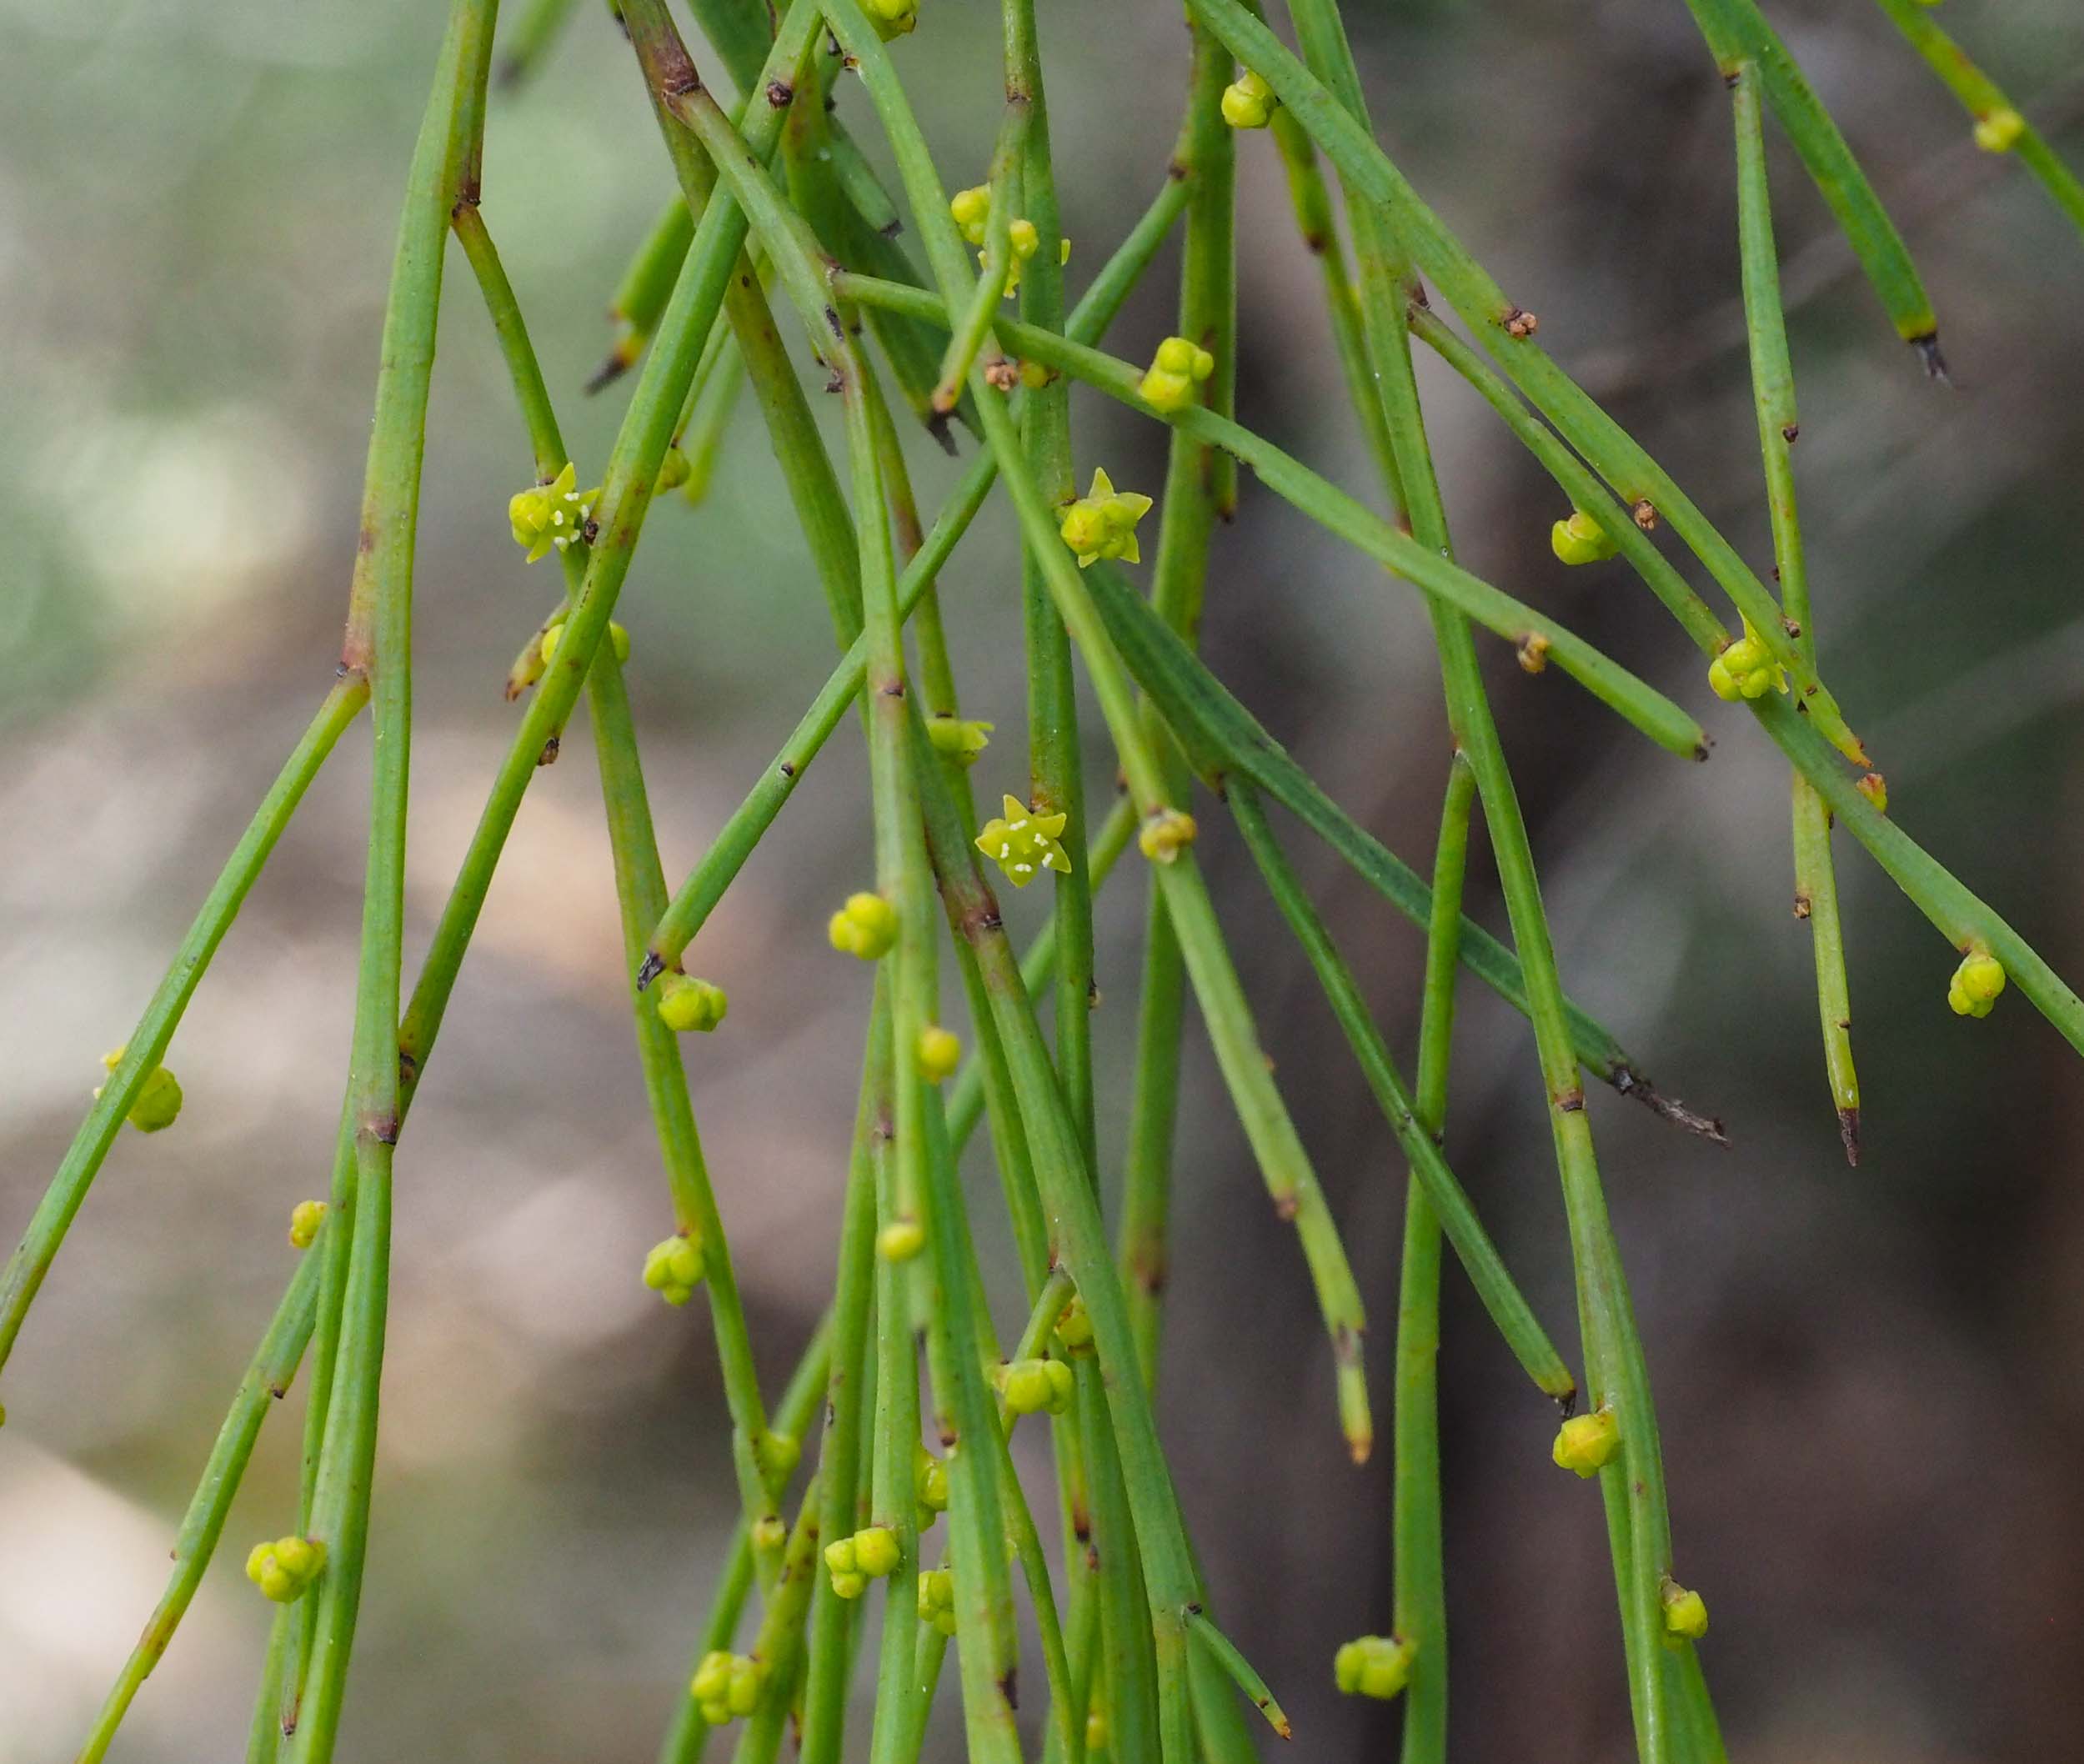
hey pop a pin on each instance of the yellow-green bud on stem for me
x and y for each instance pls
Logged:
(900, 1239)
(282, 1570)
(777, 1454)
(940, 1052)
(686, 1004)
(1745, 669)
(674, 1268)
(1073, 1327)
(727, 1685)
(868, 1555)
(304, 1219)
(1373, 1666)
(930, 1481)
(1585, 1442)
(1033, 1385)
(937, 1600)
(1165, 835)
(961, 738)
(1177, 369)
(891, 17)
(866, 926)
(1249, 102)
(1999, 131)
(1580, 540)
(618, 639)
(1686, 1613)
(1973, 990)
(673, 470)
(157, 1104)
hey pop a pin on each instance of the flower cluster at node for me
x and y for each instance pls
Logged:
(929, 1486)
(1033, 1387)
(1024, 843)
(549, 516)
(1165, 835)
(616, 637)
(687, 1004)
(674, 1268)
(1373, 1666)
(937, 1600)
(727, 1685)
(1175, 370)
(1073, 1327)
(972, 212)
(157, 1103)
(1585, 1442)
(1976, 982)
(1102, 523)
(284, 1568)
(854, 1562)
(866, 926)
(1745, 668)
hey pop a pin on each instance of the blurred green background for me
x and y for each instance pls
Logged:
(1870, 1381)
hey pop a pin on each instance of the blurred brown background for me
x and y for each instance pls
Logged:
(1870, 1382)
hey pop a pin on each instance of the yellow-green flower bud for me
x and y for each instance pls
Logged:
(674, 1269)
(891, 17)
(972, 211)
(1745, 669)
(1166, 835)
(616, 637)
(157, 1103)
(1102, 523)
(1095, 1729)
(866, 926)
(1580, 540)
(549, 516)
(930, 1481)
(900, 1239)
(876, 1552)
(1031, 1386)
(1998, 132)
(1249, 102)
(1073, 1327)
(1024, 843)
(1973, 990)
(282, 1570)
(712, 1678)
(304, 1219)
(1875, 788)
(1686, 1613)
(673, 470)
(1585, 1442)
(777, 1454)
(1179, 366)
(961, 738)
(940, 1052)
(686, 1004)
(937, 1599)
(1373, 1666)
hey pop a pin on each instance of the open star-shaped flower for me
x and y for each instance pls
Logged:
(549, 516)
(1102, 523)
(1024, 843)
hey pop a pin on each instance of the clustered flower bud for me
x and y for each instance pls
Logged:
(868, 1555)
(1686, 1613)
(549, 516)
(1973, 990)
(900, 1239)
(1249, 102)
(777, 1454)
(686, 1004)
(157, 1104)
(284, 1568)
(937, 1599)
(961, 739)
(727, 1685)
(673, 471)
(1073, 1327)
(1580, 540)
(972, 212)
(1032, 1387)
(1373, 1666)
(1174, 371)
(1745, 668)
(304, 1219)
(1102, 523)
(674, 1268)
(866, 926)
(1165, 835)
(940, 1052)
(1585, 1442)
(929, 1484)
(1022, 844)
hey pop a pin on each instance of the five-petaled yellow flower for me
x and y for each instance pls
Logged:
(1022, 843)
(549, 516)
(1102, 523)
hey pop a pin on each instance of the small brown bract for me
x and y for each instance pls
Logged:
(1646, 514)
(1521, 323)
(1003, 374)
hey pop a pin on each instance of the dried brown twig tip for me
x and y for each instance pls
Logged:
(1927, 347)
(1849, 1131)
(1670, 1108)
